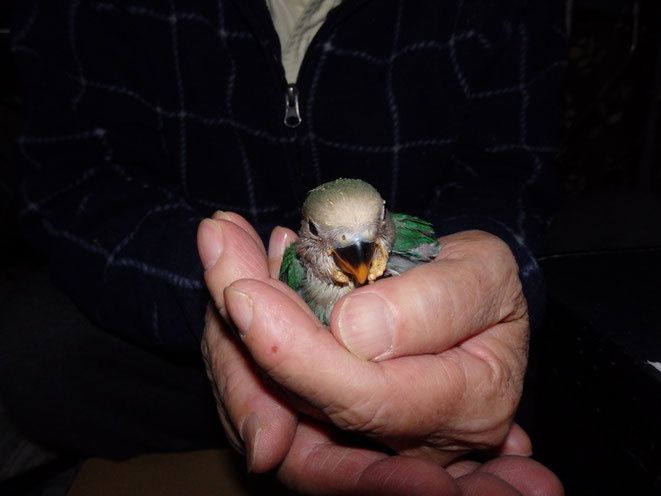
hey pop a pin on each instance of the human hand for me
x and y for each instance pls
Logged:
(345, 388)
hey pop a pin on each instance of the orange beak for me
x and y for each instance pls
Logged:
(355, 260)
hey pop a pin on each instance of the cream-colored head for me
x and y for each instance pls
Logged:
(344, 227)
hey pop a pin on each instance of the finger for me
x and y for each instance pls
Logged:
(211, 329)
(471, 286)
(318, 463)
(282, 335)
(525, 474)
(236, 255)
(248, 409)
(281, 238)
(462, 467)
(517, 442)
(235, 218)
(237, 252)
(229, 252)
(485, 484)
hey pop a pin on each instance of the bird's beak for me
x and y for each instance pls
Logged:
(355, 259)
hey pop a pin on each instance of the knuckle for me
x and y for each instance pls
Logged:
(368, 417)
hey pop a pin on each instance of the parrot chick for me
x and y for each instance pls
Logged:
(348, 238)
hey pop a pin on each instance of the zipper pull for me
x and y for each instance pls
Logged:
(292, 114)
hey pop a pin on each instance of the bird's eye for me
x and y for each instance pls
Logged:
(313, 228)
(383, 213)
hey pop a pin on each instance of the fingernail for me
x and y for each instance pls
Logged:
(220, 215)
(365, 325)
(249, 431)
(517, 442)
(210, 243)
(240, 308)
(277, 244)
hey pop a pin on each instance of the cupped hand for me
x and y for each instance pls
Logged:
(452, 335)
(445, 379)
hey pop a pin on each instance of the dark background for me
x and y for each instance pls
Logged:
(593, 387)
(592, 398)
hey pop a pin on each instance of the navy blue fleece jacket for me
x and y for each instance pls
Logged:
(142, 117)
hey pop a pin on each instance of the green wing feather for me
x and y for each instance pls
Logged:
(291, 270)
(414, 238)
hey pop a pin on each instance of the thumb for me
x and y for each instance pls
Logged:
(471, 286)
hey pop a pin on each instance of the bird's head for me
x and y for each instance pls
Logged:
(346, 232)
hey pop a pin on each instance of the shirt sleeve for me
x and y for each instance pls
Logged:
(117, 227)
(509, 139)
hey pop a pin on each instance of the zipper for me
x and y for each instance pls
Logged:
(292, 111)
(256, 14)
(293, 117)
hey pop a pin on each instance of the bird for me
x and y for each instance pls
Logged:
(348, 238)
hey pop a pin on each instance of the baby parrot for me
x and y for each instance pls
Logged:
(348, 238)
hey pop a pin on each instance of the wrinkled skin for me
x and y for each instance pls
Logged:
(443, 382)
